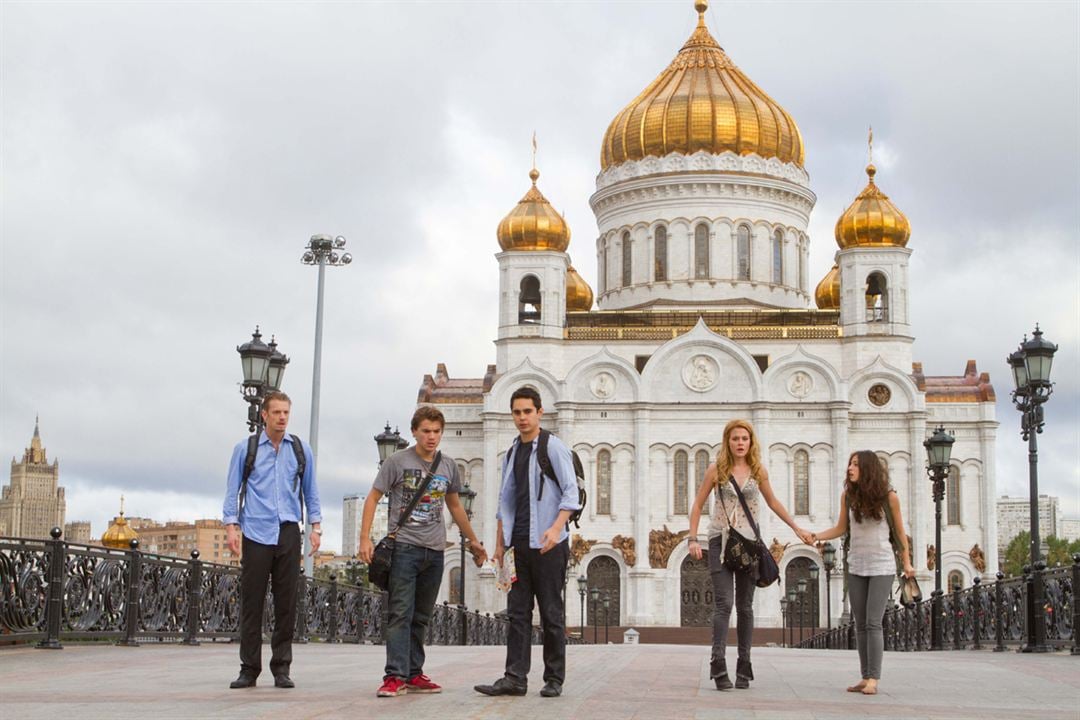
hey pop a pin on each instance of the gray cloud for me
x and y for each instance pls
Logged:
(164, 165)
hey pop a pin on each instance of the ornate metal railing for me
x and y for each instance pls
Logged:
(979, 616)
(51, 591)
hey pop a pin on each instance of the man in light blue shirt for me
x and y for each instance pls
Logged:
(267, 510)
(533, 512)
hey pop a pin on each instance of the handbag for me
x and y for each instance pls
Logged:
(910, 592)
(743, 554)
(381, 558)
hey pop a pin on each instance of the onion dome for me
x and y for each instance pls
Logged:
(827, 295)
(533, 224)
(702, 102)
(872, 220)
(579, 296)
(120, 534)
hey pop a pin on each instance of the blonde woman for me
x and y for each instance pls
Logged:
(739, 464)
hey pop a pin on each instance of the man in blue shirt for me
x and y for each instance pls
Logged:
(269, 518)
(532, 520)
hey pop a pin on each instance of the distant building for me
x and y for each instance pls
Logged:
(178, 539)
(353, 511)
(1069, 530)
(1014, 517)
(33, 503)
(78, 531)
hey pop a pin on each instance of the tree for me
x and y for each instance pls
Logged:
(1018, 553)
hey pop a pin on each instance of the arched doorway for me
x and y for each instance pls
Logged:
(696, 592)
(603, 575)
(807, 610)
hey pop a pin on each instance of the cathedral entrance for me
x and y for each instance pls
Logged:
(603, 574)
(805, 612)
(696, 592)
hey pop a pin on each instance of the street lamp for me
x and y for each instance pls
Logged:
(814, 572)
(783, 617)
(467, 496)
(802, 604)
(938, 449)
(263, 368)
(322, 250)
(607, 604)
(594, 595)
(828, 553)
(792, 596)
(389, 443)
(1031, 373)
(582, 589)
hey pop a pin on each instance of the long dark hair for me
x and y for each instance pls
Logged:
(867, 496)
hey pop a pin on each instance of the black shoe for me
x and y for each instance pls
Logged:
(723, 682)
(245, 680)
(718, 672)
(551, 689)
(502, 686)
(744, 673)
(741, 683)
(283, 681)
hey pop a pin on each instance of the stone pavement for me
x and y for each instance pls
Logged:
(161, 682)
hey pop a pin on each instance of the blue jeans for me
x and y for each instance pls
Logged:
(415, 576)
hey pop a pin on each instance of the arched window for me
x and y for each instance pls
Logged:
(778, 257)
(603, 483)
(701, 466)
(660, 261)
(956, 578)
(877, 298)
(742, 250)
(952, 495)
(802, 483)
(455, 587)
(529, 301)
(701, 252)
(627, 260)
(681, 486)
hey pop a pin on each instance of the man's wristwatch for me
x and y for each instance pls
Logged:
(316, 531)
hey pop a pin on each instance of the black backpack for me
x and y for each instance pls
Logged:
(547, 470)
(249, 465)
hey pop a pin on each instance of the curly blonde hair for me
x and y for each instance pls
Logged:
(725, 460)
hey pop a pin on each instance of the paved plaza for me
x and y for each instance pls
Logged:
(158, 682)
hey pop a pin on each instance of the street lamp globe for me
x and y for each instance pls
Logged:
(1038, 357)
(792, 595)
(276, 366)
(829, 554)
(582, 584)
(387, 442)
(939, 449)
(594, 594)
(467, 496)
(254, 359)
(801, 585)
(814, 573)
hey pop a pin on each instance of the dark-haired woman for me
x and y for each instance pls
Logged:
(871, 556)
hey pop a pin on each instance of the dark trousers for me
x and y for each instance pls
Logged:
(539, 576)
(259, 565)
(730, 588)
(415, 576)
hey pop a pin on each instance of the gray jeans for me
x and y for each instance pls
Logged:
(868, 597)
(729, 586)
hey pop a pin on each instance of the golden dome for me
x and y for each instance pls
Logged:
(702, 102)
(579, 296)
(872, 220)
(827, 295)
(120, 534)
(533, 224)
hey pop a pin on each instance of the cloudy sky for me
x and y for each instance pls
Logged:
(165, 163)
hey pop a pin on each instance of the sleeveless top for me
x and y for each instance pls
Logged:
(870, 553)
(720, 522)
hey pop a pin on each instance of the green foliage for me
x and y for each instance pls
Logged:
(1018, 553)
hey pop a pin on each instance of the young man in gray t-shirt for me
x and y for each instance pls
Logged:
(417, 565)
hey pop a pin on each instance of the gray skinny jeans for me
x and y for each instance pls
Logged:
(728, 586)
(868, 597)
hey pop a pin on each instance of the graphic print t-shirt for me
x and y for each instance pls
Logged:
(400, 477)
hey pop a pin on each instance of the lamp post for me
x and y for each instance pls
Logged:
(783, 617)
(322, 250)
(828, 553)
(594, 595)
(582, 589)
(938, 449)
(389, 443)
(814, 572)
(1031, 373)
(802, 604)
(263, 368)
(607, 604)
(467, 496)
(792, 596)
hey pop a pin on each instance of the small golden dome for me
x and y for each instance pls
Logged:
(533, 224)
(702, 102)
(579, 296)
(120, 534)
(827, 295)
(872, 220)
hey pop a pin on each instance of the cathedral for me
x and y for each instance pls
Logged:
(704, 312)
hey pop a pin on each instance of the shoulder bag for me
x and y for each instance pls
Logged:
(379, 568)
(750, 555)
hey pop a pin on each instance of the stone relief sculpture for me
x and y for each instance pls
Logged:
(800, 384)
(626, 546)
(977, 558)
(777, 550)
(661, 545)
(579, 548)
(603, 385)
(931, 559)
(700, 373)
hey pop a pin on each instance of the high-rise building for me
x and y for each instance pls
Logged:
(352, 506)
(33, 503)
(78, 531)
(1069, 530)
(1014, 517)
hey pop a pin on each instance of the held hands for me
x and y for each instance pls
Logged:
(367, 549)
(806, 536)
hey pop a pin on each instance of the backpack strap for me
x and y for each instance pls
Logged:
(301, 467)
(249, 465)
(545, 463)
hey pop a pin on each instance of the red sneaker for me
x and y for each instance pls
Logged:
(422, 684)
(392, 687)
